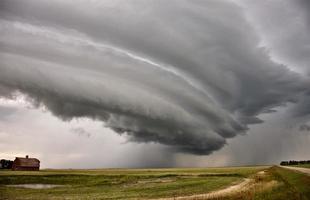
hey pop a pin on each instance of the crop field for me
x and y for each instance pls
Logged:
(261, 182)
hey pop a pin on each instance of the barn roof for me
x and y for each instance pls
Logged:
(27, 162)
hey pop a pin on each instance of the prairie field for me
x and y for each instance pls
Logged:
(303, 166)
(254, 182)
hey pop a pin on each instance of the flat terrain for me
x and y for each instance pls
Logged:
(299, 168)
(260, 182)
(303, 166)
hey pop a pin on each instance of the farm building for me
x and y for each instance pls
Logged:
(27, 164)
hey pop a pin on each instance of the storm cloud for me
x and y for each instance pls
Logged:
(186, 74)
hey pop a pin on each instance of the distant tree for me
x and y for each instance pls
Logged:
(284, 163)
(6, 164)
(294, 162)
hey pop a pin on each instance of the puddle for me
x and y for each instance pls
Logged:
(35, 186)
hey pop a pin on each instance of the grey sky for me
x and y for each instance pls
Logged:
(154, 83)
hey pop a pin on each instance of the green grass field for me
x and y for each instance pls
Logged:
(288, 185)
(304, 165)
(150, 183)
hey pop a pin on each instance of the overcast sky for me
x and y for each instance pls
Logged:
(154, 83)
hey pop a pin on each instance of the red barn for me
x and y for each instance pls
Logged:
(26, 164)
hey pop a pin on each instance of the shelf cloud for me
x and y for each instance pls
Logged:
(186, 74)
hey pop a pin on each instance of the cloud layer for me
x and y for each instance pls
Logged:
(187, 74)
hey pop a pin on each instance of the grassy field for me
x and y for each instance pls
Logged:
(305, 165)
(155, 183)
(277, 184)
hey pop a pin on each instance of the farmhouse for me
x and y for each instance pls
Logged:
(27, 164)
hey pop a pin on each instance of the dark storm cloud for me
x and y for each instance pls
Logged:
(305, 6)
(188, 74)
(284, 26)
(6, 92)
(304, 127)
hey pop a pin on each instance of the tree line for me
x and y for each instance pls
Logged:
(6, 164)
(295, 162)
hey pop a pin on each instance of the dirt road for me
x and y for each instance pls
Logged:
(300, 169)
(215, 194)
(245, 185)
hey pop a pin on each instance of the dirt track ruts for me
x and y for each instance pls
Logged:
(218, 193)
(245, 185)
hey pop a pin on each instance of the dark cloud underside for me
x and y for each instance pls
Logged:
(187, 74)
